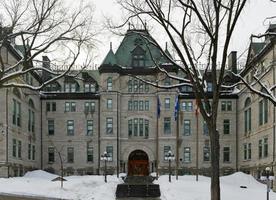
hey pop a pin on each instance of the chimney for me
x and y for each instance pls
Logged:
(45, 64)
(232, 62)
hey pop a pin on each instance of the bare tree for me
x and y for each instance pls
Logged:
(34, 28)
(199, 31)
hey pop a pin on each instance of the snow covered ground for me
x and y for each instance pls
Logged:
(94, 188)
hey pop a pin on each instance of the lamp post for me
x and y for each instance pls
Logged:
(105, 157)
(169, 156)
(268, 176)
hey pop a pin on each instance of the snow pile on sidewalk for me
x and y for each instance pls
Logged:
(94, 188)
(187, 188)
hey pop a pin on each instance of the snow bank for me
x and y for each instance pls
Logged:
(94, 188)
(40, 174)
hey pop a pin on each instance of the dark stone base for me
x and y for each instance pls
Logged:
(138, 187)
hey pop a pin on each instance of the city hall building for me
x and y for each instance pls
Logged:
(76, 120)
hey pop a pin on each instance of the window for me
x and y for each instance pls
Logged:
(167, 103)
(247, 116)
(51, 154)
(249, 151)
(146, 128)
(16, 114)
(265, 147)
(48, 106)
(263, 111)
(141, 127)
(187, 127)
(167, 81)
(109, 104)
(130, 127)
(31, 122)
(226, 154)
(186, 88)
(70, 127)
(14, 147)
(109, 83)
(147, 105)
(260, 148)
(135, 127)
(245, 151)
(135, 85)
(89, 127)
(109, 151)
(187, 154)
(141, 105)
(89, 153)
(138, 127)
(19, 149)
(54, 106)
(138, 57)
(146, 87)
(226, 106)
(89, 87)
(209, 87)
(29, 151)
(167, 125)
(205, 129)
(71, 87)
(70, 107)
(226, 126)
(206, 153)
(130, 105)
(166, 150)
(33, 152)
(109, 125)
(130, 86)
(187, 106)
(51, 127)
(89, 107)
(135, 103)
(141, 86)
(70, 154)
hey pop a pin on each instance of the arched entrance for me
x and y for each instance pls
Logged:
(138, 163)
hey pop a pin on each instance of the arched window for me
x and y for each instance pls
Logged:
(31, 103)
(247, 116)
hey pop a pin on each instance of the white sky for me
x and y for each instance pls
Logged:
(251, 21)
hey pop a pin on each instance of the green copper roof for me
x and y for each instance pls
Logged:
(135, 41)
(110, 58)
(257, 47)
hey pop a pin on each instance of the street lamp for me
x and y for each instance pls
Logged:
(105, 157)
(169, 156)
(268, 176)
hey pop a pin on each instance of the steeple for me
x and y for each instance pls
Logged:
(110, 58)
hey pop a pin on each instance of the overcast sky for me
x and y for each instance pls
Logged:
(251, 21)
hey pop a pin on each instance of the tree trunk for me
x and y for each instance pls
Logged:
(215, 157)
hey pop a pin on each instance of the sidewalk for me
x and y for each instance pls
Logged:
(7, 196)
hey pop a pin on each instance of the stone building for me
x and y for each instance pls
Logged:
(76, 120)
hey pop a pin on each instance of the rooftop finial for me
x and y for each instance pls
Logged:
(110, 45)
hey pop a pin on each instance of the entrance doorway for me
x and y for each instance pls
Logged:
(138, 163)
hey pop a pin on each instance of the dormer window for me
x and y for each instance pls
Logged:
(138, 57)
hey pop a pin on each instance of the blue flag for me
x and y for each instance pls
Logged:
(176, 107)
(158, 107)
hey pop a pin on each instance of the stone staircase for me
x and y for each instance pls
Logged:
(138, 186)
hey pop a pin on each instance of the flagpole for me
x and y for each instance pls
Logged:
(197, 142)
(177, 142)
(157, 135)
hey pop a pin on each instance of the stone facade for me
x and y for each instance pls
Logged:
(76, 121)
